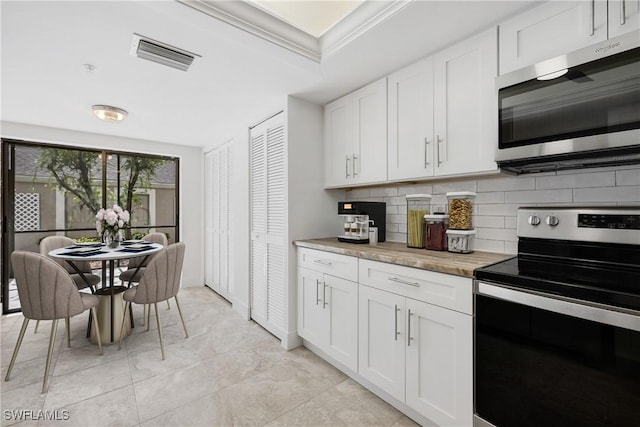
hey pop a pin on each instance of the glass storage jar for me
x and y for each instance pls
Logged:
(461, 210)
(460, 241)
(417, 208)
(435, 227)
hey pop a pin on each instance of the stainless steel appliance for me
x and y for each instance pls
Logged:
(557, 328)
(574, 111)
(358, 217)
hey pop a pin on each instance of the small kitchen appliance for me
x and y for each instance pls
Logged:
(358, 217)
(557, 328)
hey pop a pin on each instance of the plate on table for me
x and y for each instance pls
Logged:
(134, 242)
(138, 246)
(89, 244)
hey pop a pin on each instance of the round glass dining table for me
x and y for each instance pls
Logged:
(100, 252)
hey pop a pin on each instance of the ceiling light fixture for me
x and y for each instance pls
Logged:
(109, 113)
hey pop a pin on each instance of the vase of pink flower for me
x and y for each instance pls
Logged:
(110, 223)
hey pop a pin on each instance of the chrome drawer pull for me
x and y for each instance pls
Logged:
(404, 282)
(395, 336)
(323, 262)
(409, 328)
(317, 297)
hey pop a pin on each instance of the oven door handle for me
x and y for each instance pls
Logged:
(562, 306)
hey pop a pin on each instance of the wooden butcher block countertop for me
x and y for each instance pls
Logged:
(399, 253)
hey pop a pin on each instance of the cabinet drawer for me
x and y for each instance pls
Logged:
(440, 289)
(343, 266)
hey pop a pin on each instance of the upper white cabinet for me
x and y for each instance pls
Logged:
(356, 137)
(443, 112)
(555, 28)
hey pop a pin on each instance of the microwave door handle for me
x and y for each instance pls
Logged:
(592, 17)
(623, 13)
(581, 310)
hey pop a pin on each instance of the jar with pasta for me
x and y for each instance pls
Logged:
(461, 210)
(417, 208)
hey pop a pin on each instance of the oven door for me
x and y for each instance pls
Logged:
(542, 361)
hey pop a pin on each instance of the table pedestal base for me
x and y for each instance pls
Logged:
(110, 316)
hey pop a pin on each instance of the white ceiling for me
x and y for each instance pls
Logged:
(239, 79)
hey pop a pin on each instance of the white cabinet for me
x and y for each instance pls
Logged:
(443, 112)
(217, 219)
(328, 305)
(356, 137)
(415, 339)
(557, 27)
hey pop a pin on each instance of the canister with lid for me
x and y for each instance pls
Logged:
(435, 227)
(461, 209)
(460, 241)
(417, 208)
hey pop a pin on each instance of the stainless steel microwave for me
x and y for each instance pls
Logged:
(574, 111)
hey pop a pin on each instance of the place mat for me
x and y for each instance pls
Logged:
(84, 253)
(135, 250)
(85, 245)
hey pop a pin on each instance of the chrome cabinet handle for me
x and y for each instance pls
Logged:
(438, 141)
(346, 167)
(324, 295)
(353, 169)
(317, 297)
(593, 17)
(396, 310)
(623, 13)
(426, 147)
(404, 282)
(323, 262)
(409, 328)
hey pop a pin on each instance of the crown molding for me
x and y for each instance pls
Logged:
(249, 18)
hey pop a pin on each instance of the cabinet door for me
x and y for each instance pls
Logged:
(338, 134)
(208, 219)
(624, 16)
(440, 364)
(312, 317)
(381, 336)
(340, 302)
(216, 221)
(551, 29)
(410, 137)
(369, 156)
(466, 106)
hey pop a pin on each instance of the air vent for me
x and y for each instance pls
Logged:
(161, 53)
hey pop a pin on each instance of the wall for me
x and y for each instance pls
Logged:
(191, 180)
(499, 196)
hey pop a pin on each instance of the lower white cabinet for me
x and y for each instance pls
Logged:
(328, 312)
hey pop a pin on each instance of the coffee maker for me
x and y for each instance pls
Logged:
(358, 217)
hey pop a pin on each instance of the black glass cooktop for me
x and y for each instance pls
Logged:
(607, 280)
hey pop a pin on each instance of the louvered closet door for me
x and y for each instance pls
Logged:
(224, 222)
(268, 219)
(208, 221)
(216, 221)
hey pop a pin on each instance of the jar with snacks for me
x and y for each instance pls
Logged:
(461, 210)
(417, 208)
(435, 227)
(460, 241)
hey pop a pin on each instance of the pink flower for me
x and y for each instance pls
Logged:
(120, 223)
(117, 209)
(99, 226)
(100, 215)
(125, 216)
(111, 217)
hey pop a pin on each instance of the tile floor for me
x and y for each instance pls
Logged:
(228, 372)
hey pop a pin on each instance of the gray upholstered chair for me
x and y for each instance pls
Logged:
(47, 292)
(160, 281)
(87, 279)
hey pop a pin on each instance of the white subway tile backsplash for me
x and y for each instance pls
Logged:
(539, 196)
(488, 221)
(580, 180)
(628, 177)
(607, 194)
(499, 197)
(506, 184)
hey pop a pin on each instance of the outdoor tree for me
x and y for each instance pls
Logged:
(78, 173)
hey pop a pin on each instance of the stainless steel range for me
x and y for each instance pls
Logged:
(557, 328)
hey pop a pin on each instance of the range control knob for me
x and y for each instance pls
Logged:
(534, 220)
(552, 220)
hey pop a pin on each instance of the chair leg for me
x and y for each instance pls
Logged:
(127, 306)
(148, 307)
(94, 315)
(186, 334)
(66, 322)
(52, 342)
(35, 331)
(168, 305)
(144, 314)
(23, 329)
(155, 305)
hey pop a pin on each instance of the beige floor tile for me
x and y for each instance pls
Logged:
(26, 398)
